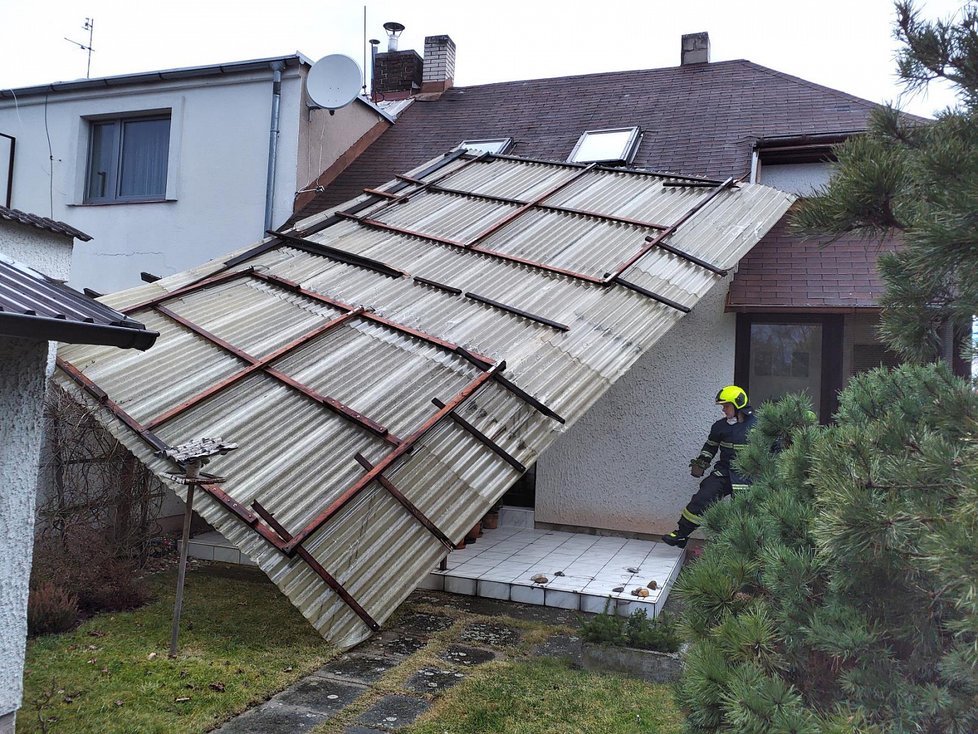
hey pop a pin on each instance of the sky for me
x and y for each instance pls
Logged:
(844, 44)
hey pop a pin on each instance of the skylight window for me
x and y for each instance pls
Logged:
(489, 145)
(615, 145)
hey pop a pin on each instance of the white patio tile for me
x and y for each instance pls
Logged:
(527, 594)
(456, 585)
(561, 599)
(493, 590)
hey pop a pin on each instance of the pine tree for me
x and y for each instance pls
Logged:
(840, 590)
(920, 179)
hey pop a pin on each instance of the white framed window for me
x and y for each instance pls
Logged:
(127, 159)
(488, 145)
(612, 146)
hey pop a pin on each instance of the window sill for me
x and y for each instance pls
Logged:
(123, 202)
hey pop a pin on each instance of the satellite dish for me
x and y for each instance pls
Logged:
(334, 81)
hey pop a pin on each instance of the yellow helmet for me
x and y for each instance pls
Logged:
(732, 394)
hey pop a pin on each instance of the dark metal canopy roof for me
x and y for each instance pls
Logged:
(34, 306)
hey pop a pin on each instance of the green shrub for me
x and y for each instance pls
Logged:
(660, 634)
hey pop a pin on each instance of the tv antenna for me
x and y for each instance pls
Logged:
(90, 27)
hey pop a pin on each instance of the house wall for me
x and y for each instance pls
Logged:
(324, 137)
(22, 364)
(625, 465)
(803, 179)
(45, 251)
(216, 180)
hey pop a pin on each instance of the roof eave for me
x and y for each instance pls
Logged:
(45, 328)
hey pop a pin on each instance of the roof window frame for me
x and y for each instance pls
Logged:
(628, 150)
(507, 143)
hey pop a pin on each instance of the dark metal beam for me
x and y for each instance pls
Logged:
(406, 503)
(483, 438)
(652, 294)
(519, 312)
(348, 258)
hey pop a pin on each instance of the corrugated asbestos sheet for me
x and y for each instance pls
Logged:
(390, 369)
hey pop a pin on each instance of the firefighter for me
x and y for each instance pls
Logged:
(726, 435)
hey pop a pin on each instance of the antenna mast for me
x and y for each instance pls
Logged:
(90, 27)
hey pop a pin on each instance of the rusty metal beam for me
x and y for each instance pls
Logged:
(481, 250)
(552, 207)
(200, 284)
(103, 398)
(483, 439)
(496, 226)
(657, 240)
(406, 445)
(317, 568)
(406, 503)
(367, 315)
(254, 364)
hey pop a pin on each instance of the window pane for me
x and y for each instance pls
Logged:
(785, 358)
(611, 145)
(145, 145)
(101, 171)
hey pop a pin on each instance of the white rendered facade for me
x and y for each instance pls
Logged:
(217, 162)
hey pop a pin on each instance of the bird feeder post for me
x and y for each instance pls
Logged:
(191, 456)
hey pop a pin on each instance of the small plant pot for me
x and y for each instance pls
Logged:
(474, 533)
(649, 665)
(490, 521)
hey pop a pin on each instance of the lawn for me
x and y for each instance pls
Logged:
(547, 696)
(240, 641)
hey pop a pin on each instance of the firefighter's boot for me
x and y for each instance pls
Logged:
(680, 535)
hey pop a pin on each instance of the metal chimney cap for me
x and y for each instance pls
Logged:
(392, 28)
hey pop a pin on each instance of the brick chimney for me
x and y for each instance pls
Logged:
(439, 64)
(397, 75)
(695, 49)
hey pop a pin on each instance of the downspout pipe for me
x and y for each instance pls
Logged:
(277, 67)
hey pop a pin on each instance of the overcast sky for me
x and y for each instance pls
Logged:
(845, 44)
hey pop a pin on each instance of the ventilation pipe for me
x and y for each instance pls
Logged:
(394, 31)
(277, 67)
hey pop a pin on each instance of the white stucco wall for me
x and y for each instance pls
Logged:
(625, 465)
(324, 137)
(45, 251)
(803, 179)
(22, 364)
(216, 179)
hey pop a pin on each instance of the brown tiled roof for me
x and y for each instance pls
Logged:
(787, 272)
(700, 120)
(51, 225)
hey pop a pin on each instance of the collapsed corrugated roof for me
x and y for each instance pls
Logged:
(390, 369)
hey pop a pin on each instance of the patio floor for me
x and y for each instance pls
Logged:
(582, 570)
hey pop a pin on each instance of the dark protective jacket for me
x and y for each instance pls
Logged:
(727, 438)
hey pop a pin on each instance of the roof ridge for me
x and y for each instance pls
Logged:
(593, 74)
(806, 83)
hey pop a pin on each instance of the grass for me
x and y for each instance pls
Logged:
(547, 696)
(240, 641)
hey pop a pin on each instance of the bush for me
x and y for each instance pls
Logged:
(839, 592)
(82, 562)
(50, 610)
(660, 634)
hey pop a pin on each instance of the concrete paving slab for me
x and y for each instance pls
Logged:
(394, 712)
(273, 718)
(467, 656)
(423, 624)
(433, 680)
(321, 694)
(491, 634)
(357, 668)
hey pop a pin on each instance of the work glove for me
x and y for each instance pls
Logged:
(696, 468)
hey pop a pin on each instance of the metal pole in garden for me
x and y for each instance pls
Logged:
(191, 455)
